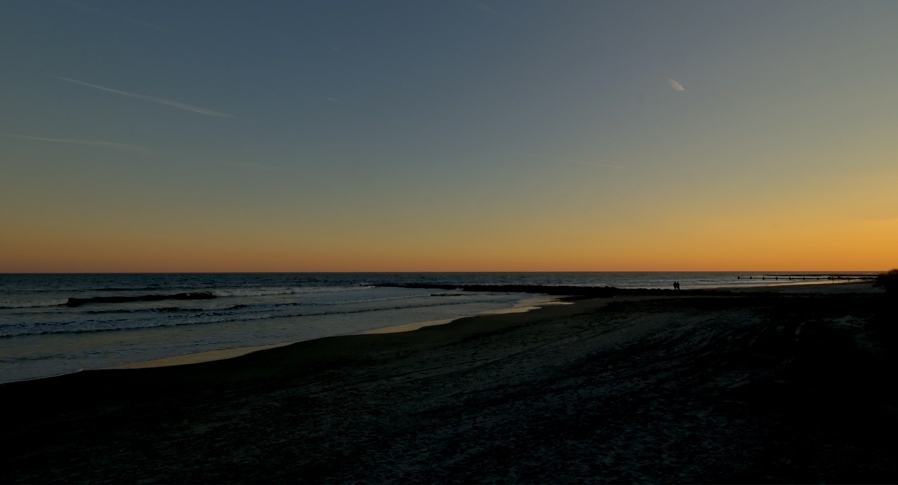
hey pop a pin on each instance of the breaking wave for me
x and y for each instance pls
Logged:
(205, 317)
(189, 295)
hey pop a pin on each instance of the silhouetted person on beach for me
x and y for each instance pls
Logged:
(676, 285)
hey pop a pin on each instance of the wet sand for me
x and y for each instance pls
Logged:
(788, 385)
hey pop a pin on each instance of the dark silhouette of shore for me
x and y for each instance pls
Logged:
(765, 386)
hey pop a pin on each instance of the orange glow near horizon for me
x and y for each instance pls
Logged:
(806, 233)
(838, 249)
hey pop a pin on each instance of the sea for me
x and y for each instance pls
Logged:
(54, 324)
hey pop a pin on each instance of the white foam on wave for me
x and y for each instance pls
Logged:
(203, 316)
(298, 290)
(13, 305)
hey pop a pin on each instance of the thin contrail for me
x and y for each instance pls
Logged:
(96, 143)
(152, 99)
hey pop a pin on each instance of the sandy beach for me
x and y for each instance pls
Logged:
(786, 384)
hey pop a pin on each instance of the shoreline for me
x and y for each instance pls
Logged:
(195, 358)
(523, 306)
(640, 388)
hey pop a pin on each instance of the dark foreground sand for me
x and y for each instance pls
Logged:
(794, 386)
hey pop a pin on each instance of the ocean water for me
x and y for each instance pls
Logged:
(52, 324)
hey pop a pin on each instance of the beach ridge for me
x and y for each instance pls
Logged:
(640, 388)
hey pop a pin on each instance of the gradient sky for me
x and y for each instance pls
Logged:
(448, 135)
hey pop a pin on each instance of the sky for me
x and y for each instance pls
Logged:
(462, 135)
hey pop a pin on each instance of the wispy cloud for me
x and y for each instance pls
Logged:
(123, 18)
(152, 99)
(675, 85)
(96, 143)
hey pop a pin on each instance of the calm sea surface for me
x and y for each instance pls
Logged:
(57, 324)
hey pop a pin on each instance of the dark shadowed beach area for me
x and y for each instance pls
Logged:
(773, 385)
